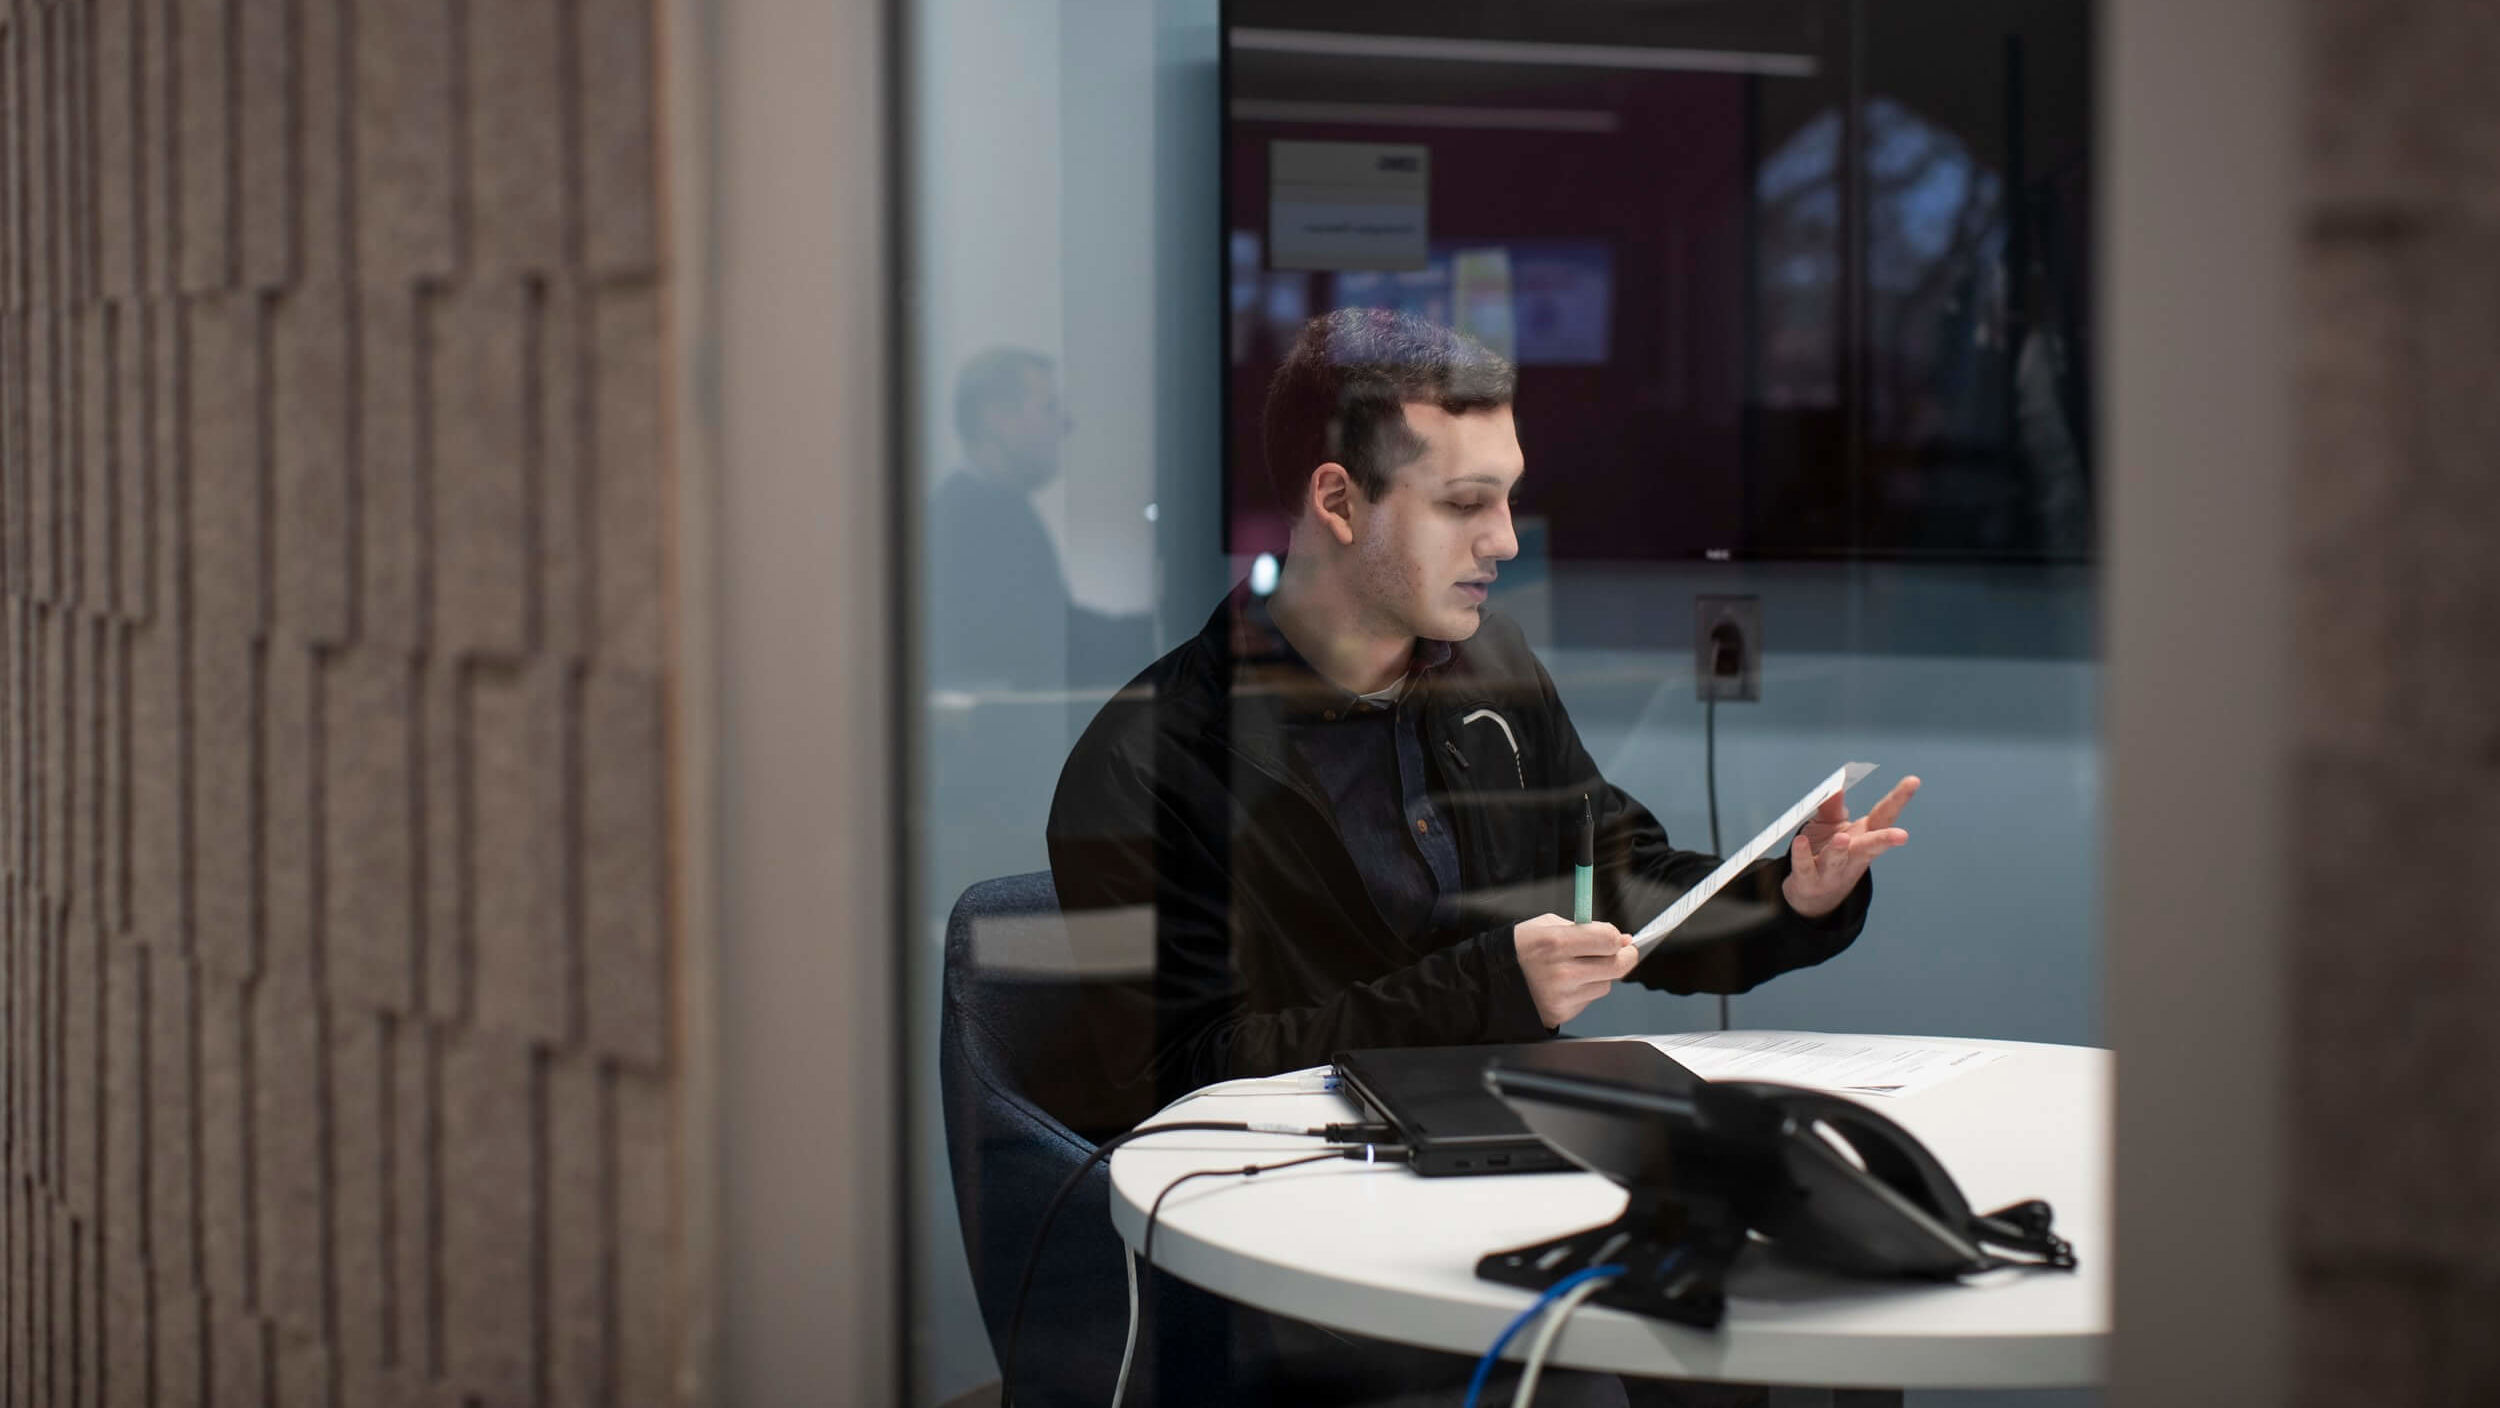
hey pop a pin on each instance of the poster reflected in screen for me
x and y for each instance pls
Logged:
(1544, 303)
(1348, 205)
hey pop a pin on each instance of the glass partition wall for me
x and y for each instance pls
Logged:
(1791, 305)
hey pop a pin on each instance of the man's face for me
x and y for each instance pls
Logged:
(1425, 554)
(1027, 431)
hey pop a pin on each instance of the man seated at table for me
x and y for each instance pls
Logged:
(1345, 815)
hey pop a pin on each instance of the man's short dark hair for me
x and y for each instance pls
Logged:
(997, 377)
(1341, 395)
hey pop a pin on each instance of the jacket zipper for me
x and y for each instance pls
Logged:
(1507, 736)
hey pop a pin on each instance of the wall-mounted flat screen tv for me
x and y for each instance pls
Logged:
(1784, 279)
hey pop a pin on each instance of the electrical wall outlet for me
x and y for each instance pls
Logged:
(1727, 648)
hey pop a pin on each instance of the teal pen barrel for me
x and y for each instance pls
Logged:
(1583, 900)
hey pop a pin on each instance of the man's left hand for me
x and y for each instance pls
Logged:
(1829, 855)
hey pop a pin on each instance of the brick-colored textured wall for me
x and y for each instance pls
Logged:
(2395, 1117)
(335, 1012)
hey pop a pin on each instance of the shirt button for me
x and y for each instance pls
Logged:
(1422, 826)
(1330, 716)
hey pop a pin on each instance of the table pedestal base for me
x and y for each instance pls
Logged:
(1674, 1258)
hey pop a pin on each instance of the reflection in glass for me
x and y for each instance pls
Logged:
(1001, 613)
(1824, 317)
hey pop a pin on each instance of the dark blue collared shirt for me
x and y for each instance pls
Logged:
(1367, 754)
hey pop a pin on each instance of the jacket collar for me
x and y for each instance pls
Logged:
(1262, 660)
(1266, 685)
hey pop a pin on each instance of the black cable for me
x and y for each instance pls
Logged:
(1710, 784)
(1710, 765)
(1146, 1247)
(1041, 1234)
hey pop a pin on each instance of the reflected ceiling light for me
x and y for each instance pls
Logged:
(1426, 115)
(1263, 573)
(1520, 51)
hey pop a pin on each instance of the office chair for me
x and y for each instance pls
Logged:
(999, 1026)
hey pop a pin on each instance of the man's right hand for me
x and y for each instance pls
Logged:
(1569, 966)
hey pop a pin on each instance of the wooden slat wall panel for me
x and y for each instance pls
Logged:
(332, 775)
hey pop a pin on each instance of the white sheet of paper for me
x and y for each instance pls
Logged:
(1886, 1067)
(1850, 775)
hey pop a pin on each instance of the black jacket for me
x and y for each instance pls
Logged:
(1186, 834)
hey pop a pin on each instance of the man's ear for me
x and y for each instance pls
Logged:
(1332, 500)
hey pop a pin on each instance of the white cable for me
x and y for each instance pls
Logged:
(1546, 1334)
(1128, 1354)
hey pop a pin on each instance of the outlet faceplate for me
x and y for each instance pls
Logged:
(1713, 616)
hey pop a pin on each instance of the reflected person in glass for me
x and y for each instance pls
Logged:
(1001, 612)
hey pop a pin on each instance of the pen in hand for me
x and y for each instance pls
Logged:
(1584, 868)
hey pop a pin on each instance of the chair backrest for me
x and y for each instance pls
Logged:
(1008, 1157)
(1015, 1005)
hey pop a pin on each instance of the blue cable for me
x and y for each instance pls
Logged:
(1554, 1292)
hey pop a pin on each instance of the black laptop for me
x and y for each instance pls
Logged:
(1435, 1098)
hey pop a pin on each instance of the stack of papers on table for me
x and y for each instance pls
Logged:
(1885, 1067)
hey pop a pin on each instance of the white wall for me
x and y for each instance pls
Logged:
(1986, 923)
(1108, 347)
(985, 254)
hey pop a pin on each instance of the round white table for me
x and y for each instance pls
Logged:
(1376, 1250)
